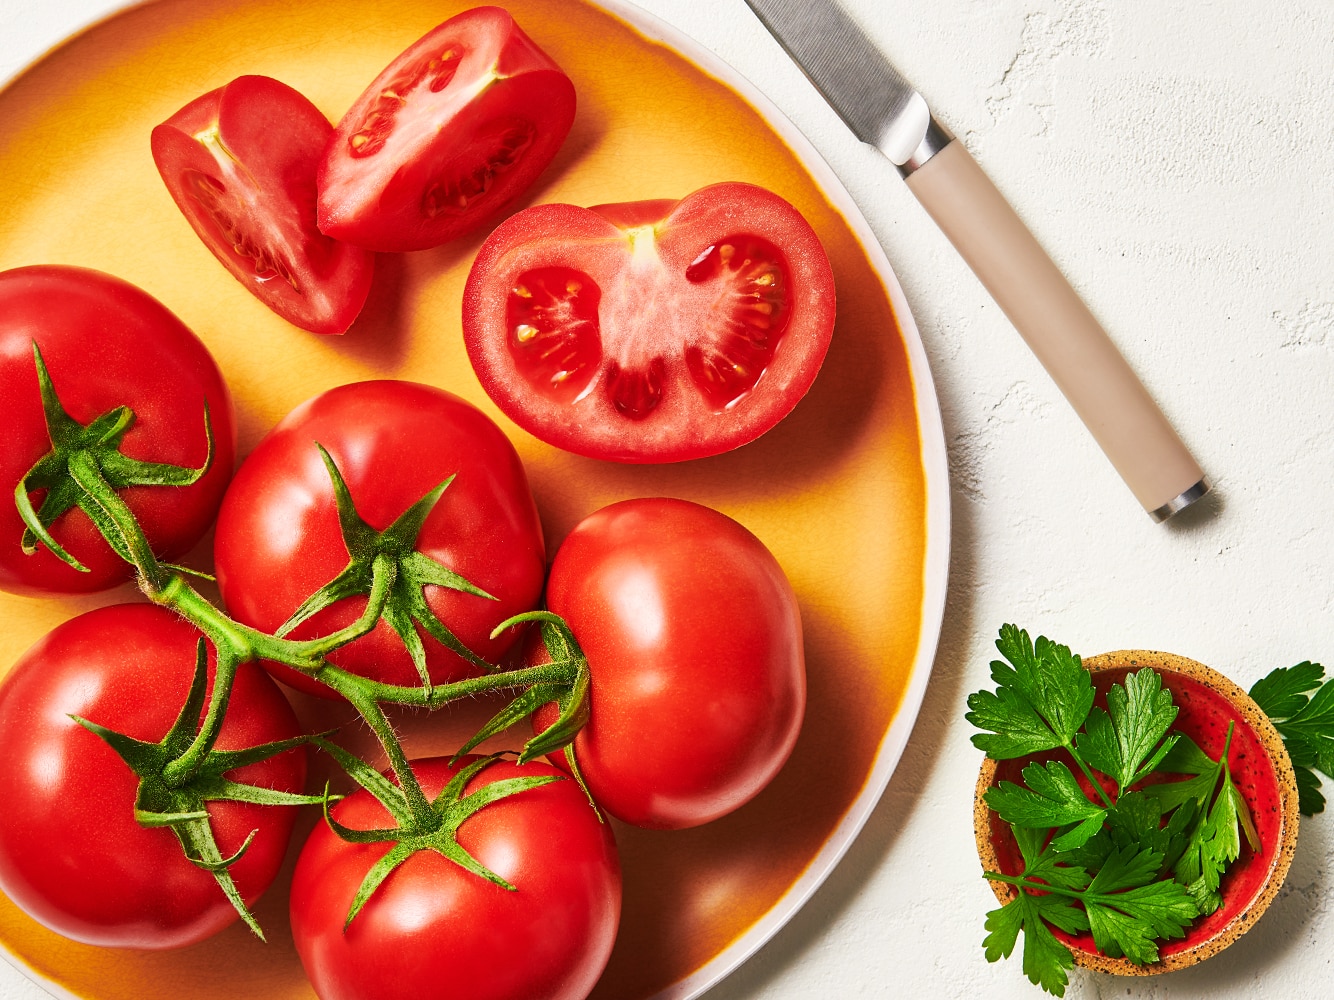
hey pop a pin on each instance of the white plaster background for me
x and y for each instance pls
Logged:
(1175, 157)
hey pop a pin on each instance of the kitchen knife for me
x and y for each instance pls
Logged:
(884, 110)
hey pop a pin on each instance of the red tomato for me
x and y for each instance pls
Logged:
(240, 162)
(455, 128)
(654, 331)
(71, 853)
(693, 639)
(106, 344)
(278, 537)
(433, 929)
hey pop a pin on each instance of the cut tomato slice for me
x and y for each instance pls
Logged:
(652, 331)
(240, 163)
(453, 130)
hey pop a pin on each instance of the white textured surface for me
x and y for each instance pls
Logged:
(1175, 158)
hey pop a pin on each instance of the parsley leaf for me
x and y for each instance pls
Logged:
(1309, 798)
(1043, 697)
(1129, 923)
(1053, 798)
(1306, 723)
(1214, 839)
(1130, 739)
(1046, 960)
(1286, 691)
(1123, 905)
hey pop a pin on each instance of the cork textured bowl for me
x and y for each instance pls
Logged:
(1207, 702)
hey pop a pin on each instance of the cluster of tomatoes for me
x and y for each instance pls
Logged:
(397, 517)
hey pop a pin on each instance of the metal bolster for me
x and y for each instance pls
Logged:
(936, 138)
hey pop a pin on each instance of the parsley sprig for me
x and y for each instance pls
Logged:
(1132, 863)
(1300, 703)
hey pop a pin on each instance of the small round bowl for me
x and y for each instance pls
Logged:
(1206, 702)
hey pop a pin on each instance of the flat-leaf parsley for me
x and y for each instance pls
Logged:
(1132, 863)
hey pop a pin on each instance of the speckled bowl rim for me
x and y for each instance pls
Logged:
(1287, 841)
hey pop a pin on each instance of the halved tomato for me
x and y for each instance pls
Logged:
(455, 128)
(240, 162)
(652, 331)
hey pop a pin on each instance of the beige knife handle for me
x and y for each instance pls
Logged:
(1060, 330)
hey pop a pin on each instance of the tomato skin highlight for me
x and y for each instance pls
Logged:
(240, 163)
(694, 645)
(433, 929)
(456, 127)
(682, 329)
(72, 855)
(278, 538)
(106, 343)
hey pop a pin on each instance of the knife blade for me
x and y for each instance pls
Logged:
(884, 110)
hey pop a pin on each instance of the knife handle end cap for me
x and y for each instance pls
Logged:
(1181, 501)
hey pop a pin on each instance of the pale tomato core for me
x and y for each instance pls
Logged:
(554, 330)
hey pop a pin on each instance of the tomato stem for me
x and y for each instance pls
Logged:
(117, 522)
(424, 818)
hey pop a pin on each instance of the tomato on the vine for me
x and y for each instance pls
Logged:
(279, 538)
(434, 929)
(106, 344)
(694, 645)
(652, 331)
(71, 852)
(240, 163)
(456, 127)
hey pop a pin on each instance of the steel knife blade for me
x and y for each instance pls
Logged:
(884, 110)
(880, 107)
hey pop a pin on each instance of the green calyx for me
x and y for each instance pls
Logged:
(85, 469)
(436, 831)
(177, 797)
(386, 566)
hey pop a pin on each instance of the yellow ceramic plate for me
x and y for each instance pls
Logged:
(850, 492)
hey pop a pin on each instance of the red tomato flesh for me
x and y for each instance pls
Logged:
(455, 128)
(433, 929)
(72, 855)
(106, 343)
(651, 331)
(694, 646)
(240, 163)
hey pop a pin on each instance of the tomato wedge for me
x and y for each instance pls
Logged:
(652, 331)
(457, 126)
(240, 163)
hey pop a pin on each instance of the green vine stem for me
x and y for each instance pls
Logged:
(80, 467)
